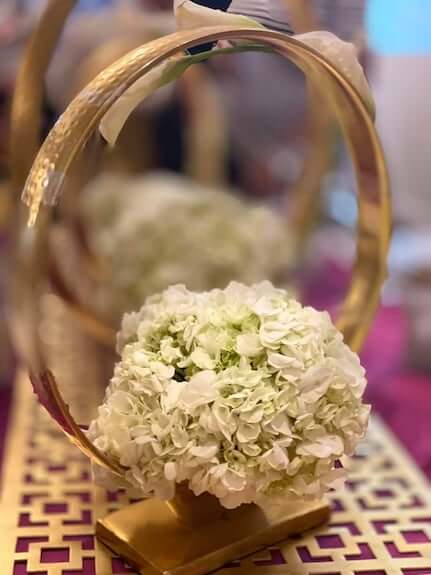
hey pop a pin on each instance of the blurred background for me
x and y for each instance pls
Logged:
(243, 167)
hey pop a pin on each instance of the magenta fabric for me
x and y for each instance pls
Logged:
(405, 404)
(384, 353)
(5, 400)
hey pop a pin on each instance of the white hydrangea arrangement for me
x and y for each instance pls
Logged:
(242, 393)
(159, 230)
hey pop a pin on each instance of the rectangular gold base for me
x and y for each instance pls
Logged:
(148, 535)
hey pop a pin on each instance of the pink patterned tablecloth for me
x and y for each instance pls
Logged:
(380, 523)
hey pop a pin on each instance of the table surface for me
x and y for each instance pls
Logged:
(381, 523)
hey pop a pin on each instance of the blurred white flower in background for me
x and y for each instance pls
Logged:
(158, 230)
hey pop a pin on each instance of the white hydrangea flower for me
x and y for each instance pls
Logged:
(242, 393)
(160, 230)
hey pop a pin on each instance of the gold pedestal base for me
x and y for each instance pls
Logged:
(148, 535)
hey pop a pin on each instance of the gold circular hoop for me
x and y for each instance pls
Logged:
(76, 125)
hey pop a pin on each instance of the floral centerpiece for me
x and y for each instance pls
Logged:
(242, 393)
(238, 394)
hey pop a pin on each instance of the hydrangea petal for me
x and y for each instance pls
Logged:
(250, 427)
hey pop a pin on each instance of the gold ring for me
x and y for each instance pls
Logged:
(73, 130)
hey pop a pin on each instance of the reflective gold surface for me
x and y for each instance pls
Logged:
(147, 533)
(380, 523)
(205, 133)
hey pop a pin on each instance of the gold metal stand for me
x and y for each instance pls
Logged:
(149, 534)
